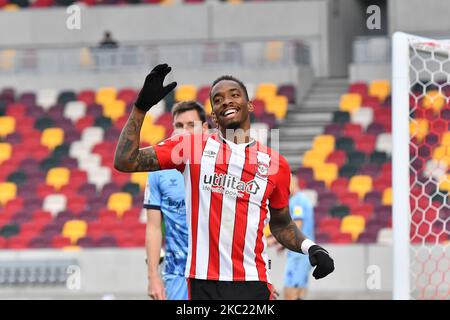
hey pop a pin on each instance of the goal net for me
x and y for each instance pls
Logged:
(421, 168)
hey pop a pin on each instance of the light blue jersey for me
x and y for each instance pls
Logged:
(165, 192)
(301, 208)
(298, 266)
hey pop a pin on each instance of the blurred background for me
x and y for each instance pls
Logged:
(72, 227)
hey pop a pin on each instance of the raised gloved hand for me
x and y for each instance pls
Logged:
(153, 90)
(320, 258)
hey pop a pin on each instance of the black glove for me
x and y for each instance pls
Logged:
(153, 90)
(319, 257)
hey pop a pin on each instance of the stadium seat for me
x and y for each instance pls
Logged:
(105, 95)
(350, 102)
(323, 144)
(380, 89)
(361, 185)
(363, 117)
(58, 177)
(5, 152)
(92, 135)
(342, 238)
(52, 137)
(288, 91)
(128, 95)
(54, 203)
(86, 96)
(359, 87)
(327, 172)
(433, 100)
(140, 178)
(354, 225)
(46, 98)
(385, 236)
(8, 191)
(75, 110)
(114, 109)
(120, 202)
(312, 159)
(266, 91)
(185, 92)
(444, 183)
(154, 135)
(339, 157)
(74, 229)
(384, 143)
(387, 197)
(7, 126)
(278, 105)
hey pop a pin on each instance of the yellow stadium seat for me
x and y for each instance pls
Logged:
(274, 51)
(186, 92)
(350, 102)
(114, 109)
(7, 125)
(444, 183)
(387, 197)
(71, 248)
(105, 95)
(155, 135)
(266, 231)
(208, 107)
(74, 229)
(11, 7)
(353, 225)
(442, 153)
(7, 59)
(327, 173)
(8, 191)
(418, 128)
(323, 144)
(361, 185)
(52, 137)
(120, 202)
(446, 139)
(312, 159)
(434, 100)
(266, 91)
(140, 178)
(380, 89)
(5, 152)
(277, 105)
(58, 177)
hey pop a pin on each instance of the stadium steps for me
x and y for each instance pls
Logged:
(307, 120)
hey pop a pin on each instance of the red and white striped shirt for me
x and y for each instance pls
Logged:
(228, 190)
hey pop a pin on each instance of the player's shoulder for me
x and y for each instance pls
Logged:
(275, 156)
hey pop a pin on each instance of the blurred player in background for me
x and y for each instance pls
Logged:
(298, 267)
(234, 185)
(165, 199)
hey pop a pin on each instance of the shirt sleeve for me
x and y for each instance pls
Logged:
(279, 198)
(152, 196)
(173, 153)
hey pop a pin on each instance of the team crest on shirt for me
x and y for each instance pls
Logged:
(262, 169)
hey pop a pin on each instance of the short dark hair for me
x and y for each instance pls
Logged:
(184, 106)
(231, 78)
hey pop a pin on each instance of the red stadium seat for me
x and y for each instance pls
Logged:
(87, 96)
(342, 238)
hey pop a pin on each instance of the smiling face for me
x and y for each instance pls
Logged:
(230, 106)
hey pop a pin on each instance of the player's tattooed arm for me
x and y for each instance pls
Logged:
(284, 229)
(128, 157)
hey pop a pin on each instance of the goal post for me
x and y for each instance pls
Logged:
(421, 166)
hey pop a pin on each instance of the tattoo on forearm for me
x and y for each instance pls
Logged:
(285, 230)
(128, 157)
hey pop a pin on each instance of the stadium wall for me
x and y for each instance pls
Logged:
(119, 273)
(419, 17)
(280, 20)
